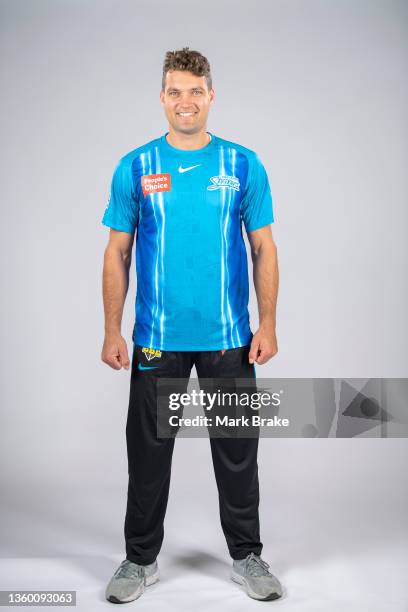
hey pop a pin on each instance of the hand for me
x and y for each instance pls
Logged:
(114, 352)
(263, 346)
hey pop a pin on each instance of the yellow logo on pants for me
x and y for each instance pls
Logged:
(151, 353)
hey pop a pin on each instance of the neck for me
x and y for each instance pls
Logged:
(189, 142)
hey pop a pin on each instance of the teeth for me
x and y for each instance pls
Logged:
(186, 114)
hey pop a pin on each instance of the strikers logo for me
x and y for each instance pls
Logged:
(153, 183)
(150, 353)
(231, 182)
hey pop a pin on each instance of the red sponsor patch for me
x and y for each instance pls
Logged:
(151, 183)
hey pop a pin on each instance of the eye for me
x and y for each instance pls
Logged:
(197, 92)
(173, 93)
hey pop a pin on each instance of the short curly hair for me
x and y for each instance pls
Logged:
(189, 60)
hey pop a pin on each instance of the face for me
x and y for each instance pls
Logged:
(186, 101)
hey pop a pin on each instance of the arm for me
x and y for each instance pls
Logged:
(117, 260)
(266, 280)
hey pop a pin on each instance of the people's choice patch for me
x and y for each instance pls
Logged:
(153, 183)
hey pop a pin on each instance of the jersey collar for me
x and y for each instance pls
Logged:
(187, 152)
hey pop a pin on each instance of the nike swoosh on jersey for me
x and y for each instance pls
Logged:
(142, 367)
(181, 169)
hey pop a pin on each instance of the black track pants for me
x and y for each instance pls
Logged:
(149, 457)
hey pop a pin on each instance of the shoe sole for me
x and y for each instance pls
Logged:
(149, 580)
(241, 580)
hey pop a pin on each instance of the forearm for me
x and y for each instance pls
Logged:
(115, 286)
(266, 281)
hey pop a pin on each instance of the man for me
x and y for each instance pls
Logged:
(186, 194)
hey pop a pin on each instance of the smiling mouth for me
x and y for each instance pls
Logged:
(187, 114)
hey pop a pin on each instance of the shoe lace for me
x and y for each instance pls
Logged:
(256, 566)
(127, 569)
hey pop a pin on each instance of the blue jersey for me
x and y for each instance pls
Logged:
(188, 208)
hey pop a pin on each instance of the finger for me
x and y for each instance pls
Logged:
(253, 352)
(264, 355)
(124, 357)
(111, 358)
(114, 361)
(262, 358)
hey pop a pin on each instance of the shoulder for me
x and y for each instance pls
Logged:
(130, 157)
(239, 148)
(249, 165)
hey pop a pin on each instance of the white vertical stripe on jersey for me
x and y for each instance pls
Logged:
(161, 206)
(223, 249)
(145, 171)
(156, 279)
(233, 194)
(227, 280)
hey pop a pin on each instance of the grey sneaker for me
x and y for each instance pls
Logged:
(252, 572)
(129, 581)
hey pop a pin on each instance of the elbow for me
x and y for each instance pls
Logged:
(127, 258)
(113, 254)
(255, 252)
(263, 250)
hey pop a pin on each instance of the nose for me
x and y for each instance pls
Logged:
(186, 100)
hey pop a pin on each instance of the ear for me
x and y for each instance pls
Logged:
(212, 95)
(162, 96)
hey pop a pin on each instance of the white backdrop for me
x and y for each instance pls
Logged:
(319, 90)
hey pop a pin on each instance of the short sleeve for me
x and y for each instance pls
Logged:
(122, 212)
(256, 204)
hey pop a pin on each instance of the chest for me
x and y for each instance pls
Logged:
(189, 189)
